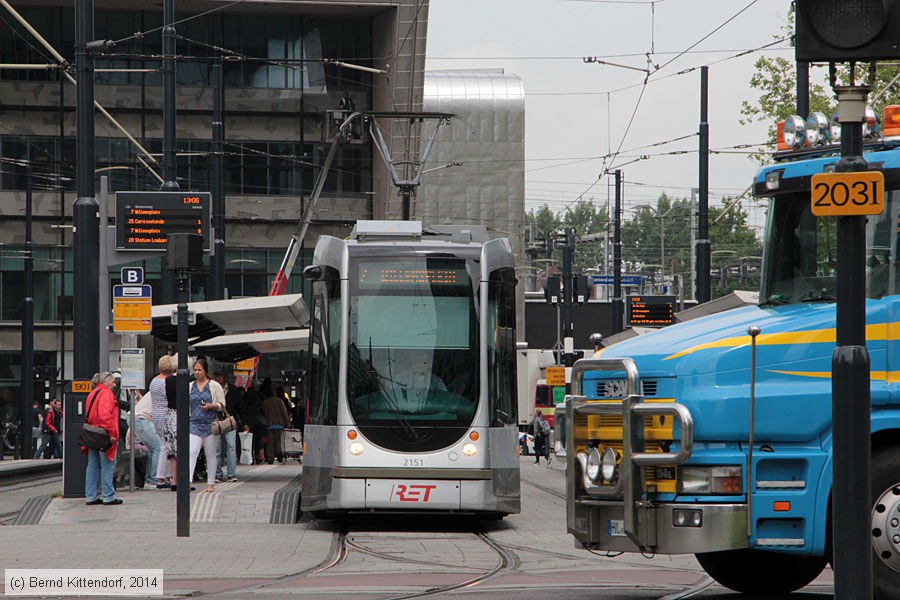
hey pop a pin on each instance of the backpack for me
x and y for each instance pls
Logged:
(543, 427)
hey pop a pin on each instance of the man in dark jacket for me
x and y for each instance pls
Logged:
(52, 428)
(540, 429)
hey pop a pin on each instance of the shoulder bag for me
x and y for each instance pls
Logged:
(224, 423)
(92, 436)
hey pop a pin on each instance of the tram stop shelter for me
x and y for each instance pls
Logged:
(234, 348)
(231, 330)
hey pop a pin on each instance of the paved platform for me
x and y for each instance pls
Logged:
(231, 534)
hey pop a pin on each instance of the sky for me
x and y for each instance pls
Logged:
(578, 112)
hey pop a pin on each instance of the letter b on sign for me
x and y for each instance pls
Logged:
(132, 276)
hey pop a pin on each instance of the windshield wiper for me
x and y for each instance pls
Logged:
(823, 297)
(774, 300)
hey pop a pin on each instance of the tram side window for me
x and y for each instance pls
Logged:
(325, 330)
(502, 347)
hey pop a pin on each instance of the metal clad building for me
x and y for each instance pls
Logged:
(489, 187)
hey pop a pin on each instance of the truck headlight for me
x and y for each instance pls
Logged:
(593, 464)
(708, 479)
(608, 464)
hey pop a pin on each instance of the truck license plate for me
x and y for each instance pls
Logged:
(665, 473)
(616, 528)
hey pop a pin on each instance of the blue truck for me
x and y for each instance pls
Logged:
(667, 450)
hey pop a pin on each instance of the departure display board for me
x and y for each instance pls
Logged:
(651, 311)
(144, 219)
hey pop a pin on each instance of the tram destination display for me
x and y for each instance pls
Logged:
(651, 311)
(145, 219)
(403, 275)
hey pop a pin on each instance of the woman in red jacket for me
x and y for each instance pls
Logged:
(102, 410)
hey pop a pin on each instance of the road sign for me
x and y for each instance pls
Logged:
(608, 280)
(556, 376)
(132, 305)
(145, 219)
(848, 194)
(132, 275)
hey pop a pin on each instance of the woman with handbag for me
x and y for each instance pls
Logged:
(206, 398)
(102, 413)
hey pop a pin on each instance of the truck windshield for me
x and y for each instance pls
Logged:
(800, 263)
(413, 351)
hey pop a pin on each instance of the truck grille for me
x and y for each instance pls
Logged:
(615, 388)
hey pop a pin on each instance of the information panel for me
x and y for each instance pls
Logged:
(144, 219)
(132, 308)
(651, 311)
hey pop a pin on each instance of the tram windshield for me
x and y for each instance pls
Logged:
(412, 376)
(800, 263)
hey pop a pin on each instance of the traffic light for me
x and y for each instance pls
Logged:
(45, 372)
(293, 375)
(841, 31)
(582, 289)
(552, 289)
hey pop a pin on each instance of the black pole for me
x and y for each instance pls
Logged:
(850, 392)
(170, 167)
(24, 449)
(85, 213)
(168, 40)
(617, 305)
(182, 475)
(405, 194)
(703, 244)
(62, 236)
(568, 297)
(217, 261)
(803, 89)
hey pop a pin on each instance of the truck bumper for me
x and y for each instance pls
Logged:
(722, 527)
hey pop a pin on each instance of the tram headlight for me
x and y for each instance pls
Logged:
(608, 464)
(357, 448)
(470, 450)
(593, 464)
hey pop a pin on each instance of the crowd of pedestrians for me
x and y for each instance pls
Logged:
(262, 413)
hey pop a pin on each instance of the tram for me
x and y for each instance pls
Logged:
(412, 373)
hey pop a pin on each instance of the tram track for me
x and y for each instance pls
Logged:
(508, 562)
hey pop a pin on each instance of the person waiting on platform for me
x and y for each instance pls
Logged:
(227, 454)
(278, 418)
(206, 398)
(102, 410)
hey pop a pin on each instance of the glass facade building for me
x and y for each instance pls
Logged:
(279, 81)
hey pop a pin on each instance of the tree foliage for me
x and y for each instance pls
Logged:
(736, 248)
(775, 78)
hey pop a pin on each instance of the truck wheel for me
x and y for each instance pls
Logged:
(739, 570)
(886, 524)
